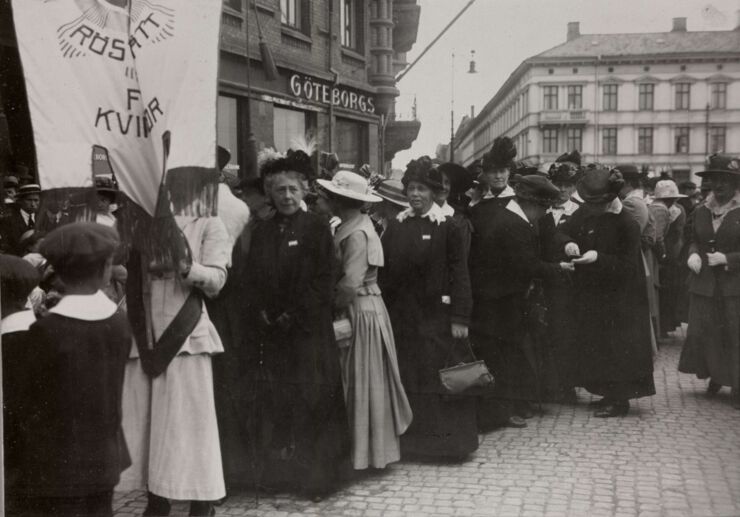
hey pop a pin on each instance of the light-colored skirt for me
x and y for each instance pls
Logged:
(171, 431)
(378, 409)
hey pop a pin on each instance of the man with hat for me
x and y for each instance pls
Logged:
(20, 219)
(501, 317)
(10, 189)
(394, 201)
(712, 347)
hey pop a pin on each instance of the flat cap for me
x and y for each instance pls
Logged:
(536, 189)
(17, 278)
(74, 247)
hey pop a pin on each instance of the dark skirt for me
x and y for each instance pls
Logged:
(712, 347)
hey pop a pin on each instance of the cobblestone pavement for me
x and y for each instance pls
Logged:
(675, 454)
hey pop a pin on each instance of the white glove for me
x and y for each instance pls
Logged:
(572, 249)
(716, 259)
(588, 258)
(694, 263)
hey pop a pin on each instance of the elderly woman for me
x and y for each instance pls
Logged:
(611, 314)
(379, 412)
(302, 436)
(426, 287)
(712, 348)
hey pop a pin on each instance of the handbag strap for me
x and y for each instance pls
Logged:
(452, 349)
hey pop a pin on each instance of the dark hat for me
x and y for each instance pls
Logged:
(17, 278)
(29, 189)
(475, 168)
(105, 184)
(422, 170)
(525, 168)
(629, 172)
(536, 189)
(501, 155)
(10, 182)
(460, 179)
(392, 191)
(77, 248)
(566, 169)
(721, 164)
(223, 156)
(573, 157)
(297, 161)
(600, 185)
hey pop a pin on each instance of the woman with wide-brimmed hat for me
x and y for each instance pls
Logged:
(393, 201)
(378, 410)
(712, 347)
(611, 314)
(426, 287)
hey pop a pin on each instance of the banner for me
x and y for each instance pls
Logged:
(130, 82)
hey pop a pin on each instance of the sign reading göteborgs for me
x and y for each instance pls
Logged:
(312, 89)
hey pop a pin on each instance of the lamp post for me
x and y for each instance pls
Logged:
(471, 70)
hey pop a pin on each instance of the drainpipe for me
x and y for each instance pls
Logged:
(330, 9)
(596, 109)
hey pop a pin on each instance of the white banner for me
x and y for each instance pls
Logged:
(119, 74)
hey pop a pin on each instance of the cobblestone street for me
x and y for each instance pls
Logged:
(675, 454)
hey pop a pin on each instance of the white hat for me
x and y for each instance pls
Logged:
(350, 185)
(667, 189)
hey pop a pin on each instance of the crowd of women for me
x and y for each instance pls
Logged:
(304, 337)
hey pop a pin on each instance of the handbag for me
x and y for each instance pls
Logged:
(465, 376)
(343, 331)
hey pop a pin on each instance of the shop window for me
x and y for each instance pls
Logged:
(609, 141)
(645, 140)
(227, 129)
(550, 141)
(682, 139)
(610, 97)
(351, 21)
(296, 14)
(718, 96)
(287, 126)
(352, 145)
(717, 136)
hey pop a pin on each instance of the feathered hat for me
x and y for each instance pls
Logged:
(422, 170)
(566, 169)
(297, 158)
(501, 155)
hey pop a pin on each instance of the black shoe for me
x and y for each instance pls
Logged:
(613, 409)
(713, 388)
(568, 396)
(156, 506)
(202, 509)
(599, 403)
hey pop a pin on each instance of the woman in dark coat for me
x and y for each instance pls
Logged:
(426, 288)
(712, 348)
(611, 312)
(303, 434)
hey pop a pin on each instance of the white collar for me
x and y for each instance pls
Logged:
(86, 307)
(26, 215)
(714, 207)
(567, 208)
(615, 207)
(447, 210)
(516, 208)
(507, 192)
(17, 322)
(434, 214)
(638, 193)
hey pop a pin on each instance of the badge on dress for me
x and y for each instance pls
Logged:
(292, 243)
(426, 237)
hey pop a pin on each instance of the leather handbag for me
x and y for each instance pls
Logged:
(466, 376)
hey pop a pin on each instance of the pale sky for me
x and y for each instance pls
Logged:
(504, 33)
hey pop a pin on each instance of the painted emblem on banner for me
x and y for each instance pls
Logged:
(115, 29)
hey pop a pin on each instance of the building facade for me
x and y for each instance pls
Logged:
(336, 63)
(662, 101)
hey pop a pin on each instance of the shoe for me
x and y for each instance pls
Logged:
(202, 509)
(568, 396)
(599, 403)
(612, 410)
(516, 422)
(525, 411)
(713, 388)
(156, 506)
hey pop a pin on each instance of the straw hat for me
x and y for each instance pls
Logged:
(350, 185)
(667, 189)
(392, 191)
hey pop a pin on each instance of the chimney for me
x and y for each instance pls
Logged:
(574, 30)
(472, 111)
(679, 25)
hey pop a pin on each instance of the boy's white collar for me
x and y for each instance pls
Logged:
(86, 307)
(17, 322)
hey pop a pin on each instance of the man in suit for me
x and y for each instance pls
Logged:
(21, 219)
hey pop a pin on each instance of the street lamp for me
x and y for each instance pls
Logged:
(471, 70)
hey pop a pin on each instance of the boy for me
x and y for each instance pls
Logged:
(76, 449)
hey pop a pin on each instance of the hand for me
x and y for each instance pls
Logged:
(588, 258)
(694, 263)
(459, 331)
(183, 267)
(567, 266)
(572, 249)
(716, 259)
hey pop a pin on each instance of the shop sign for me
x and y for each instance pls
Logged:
(311, 89)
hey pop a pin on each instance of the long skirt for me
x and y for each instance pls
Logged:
(170, 427)
(377, 406)
(712, 347)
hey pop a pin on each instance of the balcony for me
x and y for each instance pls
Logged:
(563, 118)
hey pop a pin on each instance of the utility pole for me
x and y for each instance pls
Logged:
(452, 112)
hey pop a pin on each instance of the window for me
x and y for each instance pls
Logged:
(609, 141)
(550, 141)
(234, 4)
(227, 130)
(610, 97)
(645, 96)
(718, 96)
(351, 24)
(524, 145)
(551, 98)
(574, 138)
(352, 142)
(287, 125)
(717, 139)
(683, 96)
(525, 102)
(575, 97)
(290, 13)
(645, 140)
(682, 139)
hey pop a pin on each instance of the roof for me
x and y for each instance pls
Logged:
(650, 44)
